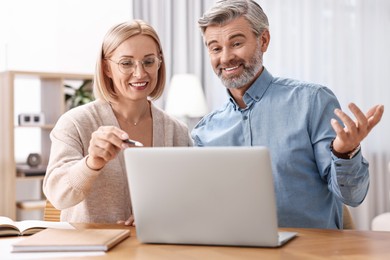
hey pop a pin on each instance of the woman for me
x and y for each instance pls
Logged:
(86, 176)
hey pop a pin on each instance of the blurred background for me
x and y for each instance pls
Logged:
(342, 44)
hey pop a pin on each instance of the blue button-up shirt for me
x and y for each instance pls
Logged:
(292, 118)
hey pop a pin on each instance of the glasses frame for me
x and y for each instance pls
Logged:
(136, 62)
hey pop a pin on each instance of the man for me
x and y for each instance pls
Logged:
(316, 160)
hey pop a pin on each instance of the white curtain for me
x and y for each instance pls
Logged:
(176, 23)
(342, 44)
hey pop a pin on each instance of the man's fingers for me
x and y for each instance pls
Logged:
(350, 125)
(339, 130)
(362, 120)
(372, 111)
(374, 115)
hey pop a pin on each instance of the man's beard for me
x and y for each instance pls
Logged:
(248, 74)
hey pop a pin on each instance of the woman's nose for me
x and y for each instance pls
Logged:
(139, 70)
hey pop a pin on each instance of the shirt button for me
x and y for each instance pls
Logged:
(245, 117)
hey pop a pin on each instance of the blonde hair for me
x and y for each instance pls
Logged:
(103, 85)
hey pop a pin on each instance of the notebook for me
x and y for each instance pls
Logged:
(204, 195)
(71, 240)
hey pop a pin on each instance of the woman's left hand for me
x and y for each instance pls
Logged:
(129, 222)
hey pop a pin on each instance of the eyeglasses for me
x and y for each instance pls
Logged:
(127, 65)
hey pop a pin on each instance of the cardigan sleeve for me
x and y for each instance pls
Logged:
(68, 179)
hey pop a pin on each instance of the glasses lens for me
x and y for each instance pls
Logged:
(127, 64)
(150, 64)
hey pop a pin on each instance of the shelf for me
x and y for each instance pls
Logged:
(49, 75)
(45, 127)
(26, 171)
(30, 178)
(50, 97)
(31, 204)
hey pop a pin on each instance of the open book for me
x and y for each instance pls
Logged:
(76, 240)
(8, 227)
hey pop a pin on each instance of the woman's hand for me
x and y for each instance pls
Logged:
(129, 222)
(105, 144)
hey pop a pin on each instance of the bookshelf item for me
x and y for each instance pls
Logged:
(52, 106)
(76, 240)
(8, 227)
(31, 119)
(26, 170)
(30, 204)
(51, 213)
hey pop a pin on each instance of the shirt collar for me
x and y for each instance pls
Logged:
(256, 90)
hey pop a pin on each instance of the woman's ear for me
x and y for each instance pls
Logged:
(107, 69)
(264, 40)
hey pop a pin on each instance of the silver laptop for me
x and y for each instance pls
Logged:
(204, 195)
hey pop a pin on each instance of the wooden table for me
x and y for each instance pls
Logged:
(309, 244)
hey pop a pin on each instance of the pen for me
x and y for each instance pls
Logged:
(133, 142)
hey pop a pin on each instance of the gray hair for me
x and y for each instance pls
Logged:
(224, 11)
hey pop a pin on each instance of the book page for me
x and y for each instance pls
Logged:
(35, 225)
(7, 227)
(27, 227)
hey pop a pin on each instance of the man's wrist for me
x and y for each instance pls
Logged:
(347, 155)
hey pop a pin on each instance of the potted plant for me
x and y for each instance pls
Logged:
(79, 95)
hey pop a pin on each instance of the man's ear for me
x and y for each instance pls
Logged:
(107, 69)
(265, 37)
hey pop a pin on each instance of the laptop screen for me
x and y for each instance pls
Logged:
(203, 195)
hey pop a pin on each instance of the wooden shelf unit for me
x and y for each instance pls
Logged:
(52, 105)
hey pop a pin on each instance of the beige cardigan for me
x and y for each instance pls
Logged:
(85, 195)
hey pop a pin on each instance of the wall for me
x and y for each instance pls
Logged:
(50, 36)
(56, 35)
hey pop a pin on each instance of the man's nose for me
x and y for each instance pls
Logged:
(226, 55)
